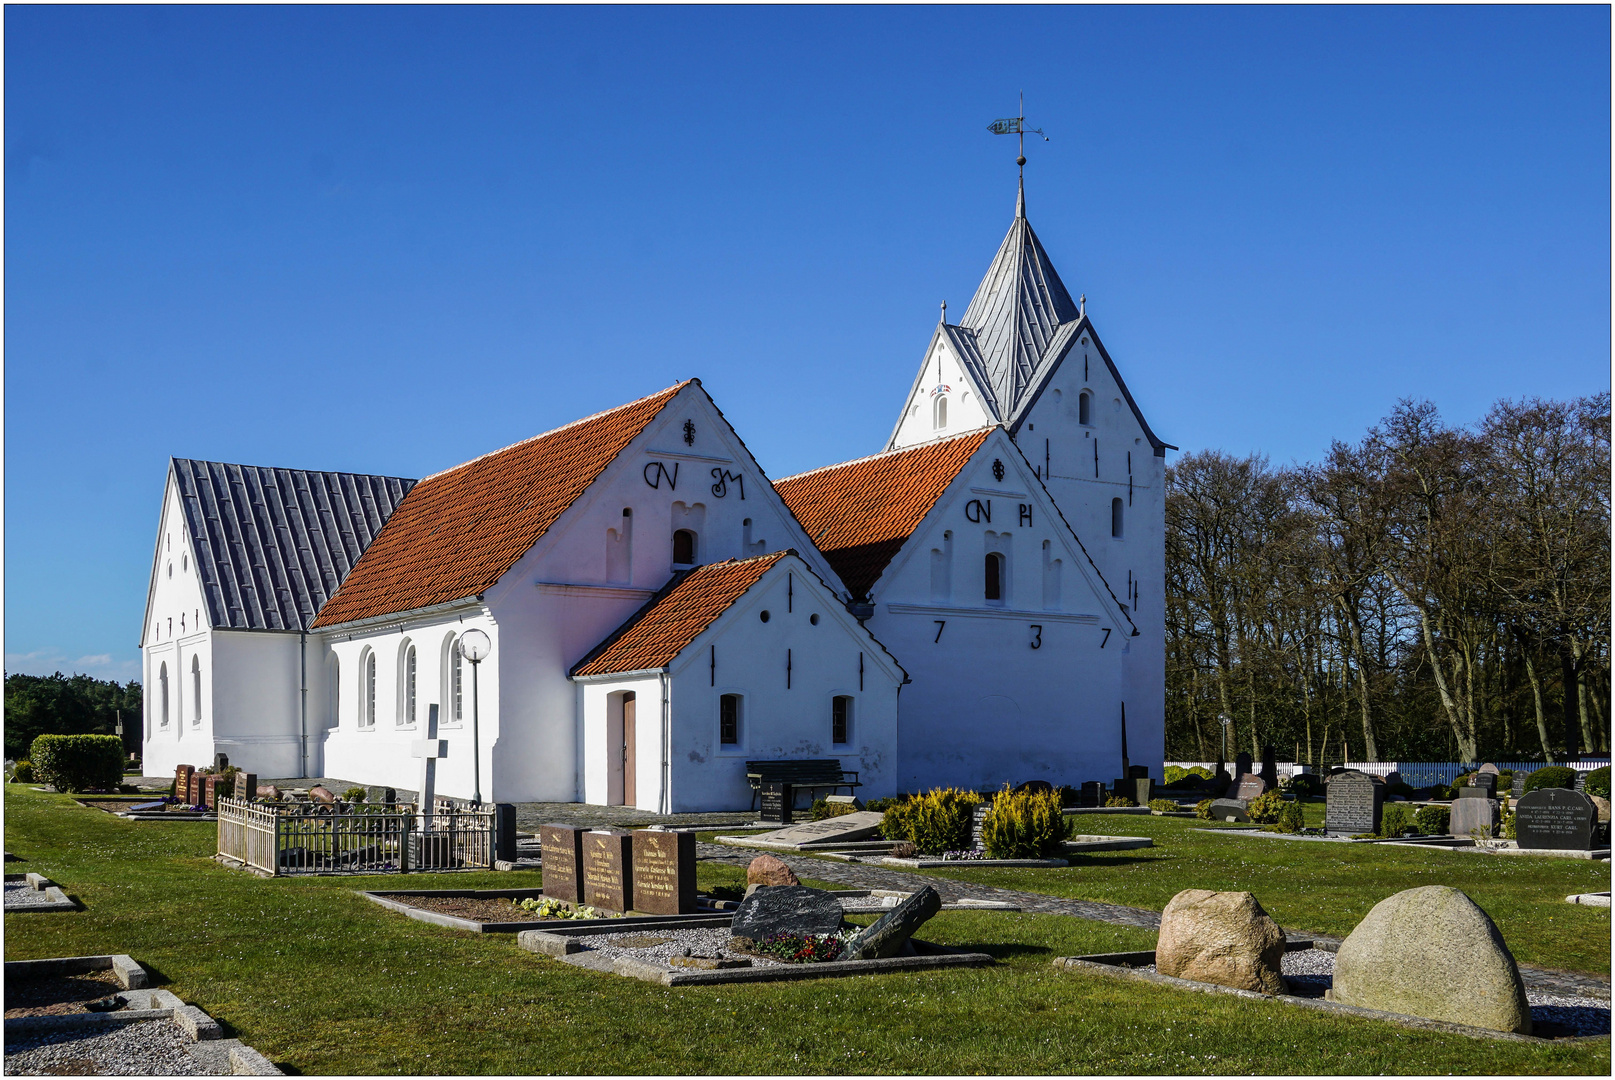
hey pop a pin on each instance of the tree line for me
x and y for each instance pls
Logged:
(1428, 592)
(69, 705)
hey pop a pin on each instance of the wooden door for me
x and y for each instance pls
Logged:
(630, 789)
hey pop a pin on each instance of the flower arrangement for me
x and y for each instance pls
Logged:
(802, 948)
(547, 907)
(964, 856)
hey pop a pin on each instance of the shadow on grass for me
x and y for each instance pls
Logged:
(1005, 950)
(1080, 860)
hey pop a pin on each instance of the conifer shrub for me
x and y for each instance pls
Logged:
(939, 820)
(1265, 808)
(1291, 819)
(1395, 821)
(354, 795)
(823, 809)
(1552, 776)
(1165, 806)
(1303, 785)
(1119, 800)
(1432, 820)
(22, 772)
(1022, 825)
(1597, 782)
(78, 762)
(1202, 809)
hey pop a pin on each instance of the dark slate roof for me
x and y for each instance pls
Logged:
(272, 545)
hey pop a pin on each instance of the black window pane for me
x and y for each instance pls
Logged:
(838, 719)
(729, 719)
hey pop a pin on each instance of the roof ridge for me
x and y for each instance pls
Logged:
(289, 468)
(557, 430)
(985, 428)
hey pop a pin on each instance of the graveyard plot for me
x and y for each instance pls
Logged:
(498, 911)
(32, 892)
(1308, 968)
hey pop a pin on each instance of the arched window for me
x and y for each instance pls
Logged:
(453, 680)
(840, 717)
(995, 576)
(939, 412)
(162, 684)
(196, 691)
(406, 690)
(1116, 518)
(1085, 408)
(367, 689)
(683, 546)
(729, 720)
(333, 670)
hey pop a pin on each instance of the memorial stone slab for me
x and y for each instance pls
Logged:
(786, 909)
(182, 780)
(1472, 816)
(1242, 764)
(246, 785)
(1555, 819)
(1270, 768)
(1391, 778)
(1353, 804)
(608, 870)
(775, 802)
(221, 762)
(1485, 781)
(664, 872)
(1250, 786)
(1138, 772)
(1143, 790)
(1091, 794)
(1518, 787)
(210, 791)
(859, 825)
(193, 797)
(1229, 810)
(563, 861)
(978, 822)
(1473, 793)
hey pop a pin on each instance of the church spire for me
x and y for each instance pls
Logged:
(1020, 198)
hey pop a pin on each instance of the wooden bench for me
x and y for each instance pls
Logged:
(813, 774)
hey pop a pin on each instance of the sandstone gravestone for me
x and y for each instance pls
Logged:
(608, 870)
(562, 851)
(1353, 804)
(210, 791)
(786, 909)
(664, 872)
(1229, 810)
(194, 796)
(846, 828)
(1250, 786)
(1554, 819)
(1432, 952)
(1220, 937)
(182, 781)
(1473, 817)
(886, 936)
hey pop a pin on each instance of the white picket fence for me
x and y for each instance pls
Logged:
(1417, 773)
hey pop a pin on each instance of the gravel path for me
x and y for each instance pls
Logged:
(20, 894)
(152, 1048)
(658, 945)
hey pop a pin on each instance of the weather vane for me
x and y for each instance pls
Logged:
(1016, 125)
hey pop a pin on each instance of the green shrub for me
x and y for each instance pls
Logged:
(1432, 820)
(1202, 809)
(880, 806)
(1119, 800)
(1399, 788)
(823, 809)
(1069, 796)
(939, 820)
(78, 762)
(1174, 773)
(1552, 776)
(1395, 821)
(354, 795)
(1303, 785)
(1266, 808)
(1165, 806)
(22, 772)
(1291, 819)
(894, 824)
(1442, 791)
(1505, 822)
(1022, 825)
(1598, 782)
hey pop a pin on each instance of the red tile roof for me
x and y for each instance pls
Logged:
(860, 513)
(456, 533)
(674, 617)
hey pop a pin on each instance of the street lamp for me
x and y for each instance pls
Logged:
(475, 647)
(1226, 722)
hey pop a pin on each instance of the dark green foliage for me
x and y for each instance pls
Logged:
(1022, 825)
(62, 705)
(23, 772)
(1265, 808)
(1432, 820)
(354, 795)
(1396, 821)
(1202, 809)
(1399, 788)
(1292, 819)
(880, 806)
(1442, 791)
(78, 762)
(1166, 806)
(822, 809)
(1598, 782)
(1303, 785)
(1552, 776)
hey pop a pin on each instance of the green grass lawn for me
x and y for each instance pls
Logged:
(323, 981)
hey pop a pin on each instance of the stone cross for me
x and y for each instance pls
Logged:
(429, 750)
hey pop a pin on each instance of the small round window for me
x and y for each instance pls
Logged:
(764, 616)
(813, 619)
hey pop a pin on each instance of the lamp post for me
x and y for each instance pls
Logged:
(475, 646)
(1226, 722)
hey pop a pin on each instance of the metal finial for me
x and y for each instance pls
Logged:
(1016, 125)
(944, 316)
(1082, 305)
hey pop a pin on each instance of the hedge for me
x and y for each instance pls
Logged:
(1598, 782)
(1554, 776)
(78, 762)
(1023, 825)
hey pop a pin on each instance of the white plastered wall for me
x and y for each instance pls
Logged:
(941, 376)
(175, 634)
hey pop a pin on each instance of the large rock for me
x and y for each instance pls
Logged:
(767, 870)
(1220, 937)
(887, 935)
(786, 909)
(1602, 805)
(1432, 952)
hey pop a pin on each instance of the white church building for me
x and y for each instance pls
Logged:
(981, 602)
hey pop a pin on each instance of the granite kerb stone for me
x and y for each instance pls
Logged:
(515, 926)
(130, 975)
(932, 957)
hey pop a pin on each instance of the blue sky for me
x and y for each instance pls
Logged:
(390, 239)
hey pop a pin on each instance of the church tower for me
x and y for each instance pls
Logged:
(1025, 355)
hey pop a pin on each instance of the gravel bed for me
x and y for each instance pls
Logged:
(151, 1048)
(702, 941)
(1311, 971)
(21, 894)
(59, 995)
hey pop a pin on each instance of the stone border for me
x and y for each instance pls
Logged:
(210, 1048)
(965, 904)
(456, 922)
(1069, 810)
(1591, 899)
(59, 901)
(1112, 965)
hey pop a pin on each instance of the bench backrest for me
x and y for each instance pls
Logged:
(814, 768)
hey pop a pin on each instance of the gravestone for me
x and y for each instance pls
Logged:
(1138, 772)
(182, 781)
(978, 821)
(221, 762)
(1353, 804)
(786, 909)
(1518, 787)
(886, 936)
(845, 828)
(776, 799)
(1143, 790)
(246, 786)
(1091, 794)
(563, 861)
(1229, 810)
(1484, 781)
(504, 832)
(1467, 792)
(664, 872)
(1121, 787)
(1270, 769)
(210, 787)
(1392, 778)
(1556, 819)
(1472, 815)
(1242, 764)
(193, 797)
(608, 870)
(1250, 786)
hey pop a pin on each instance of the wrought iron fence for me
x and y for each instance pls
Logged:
(309, 838)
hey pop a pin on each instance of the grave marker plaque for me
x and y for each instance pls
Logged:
(1353, 804)
(246, 786)
(182, 781)
(1242, 764)
(562, 847)
(1518, 787)
(978, 821)
(193, 797)
(1229, 810)
(776, 802)
(210, 791)
(1143, 790)
(1122, 788)
(664, 872)
(1270, 768)
(1473, 816)
(1092, 794)
(608, 870)
(1555, 819)
(1250, 786)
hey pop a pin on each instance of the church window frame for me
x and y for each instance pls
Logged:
(1117, 524)
(731, 713)
(685, 543)
(367, 690)
(408, 683)
(1085, 409)
(196, 691)
(939, 412)
(841, 710)
(453, 669)
(995, 570)
(162, 683)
